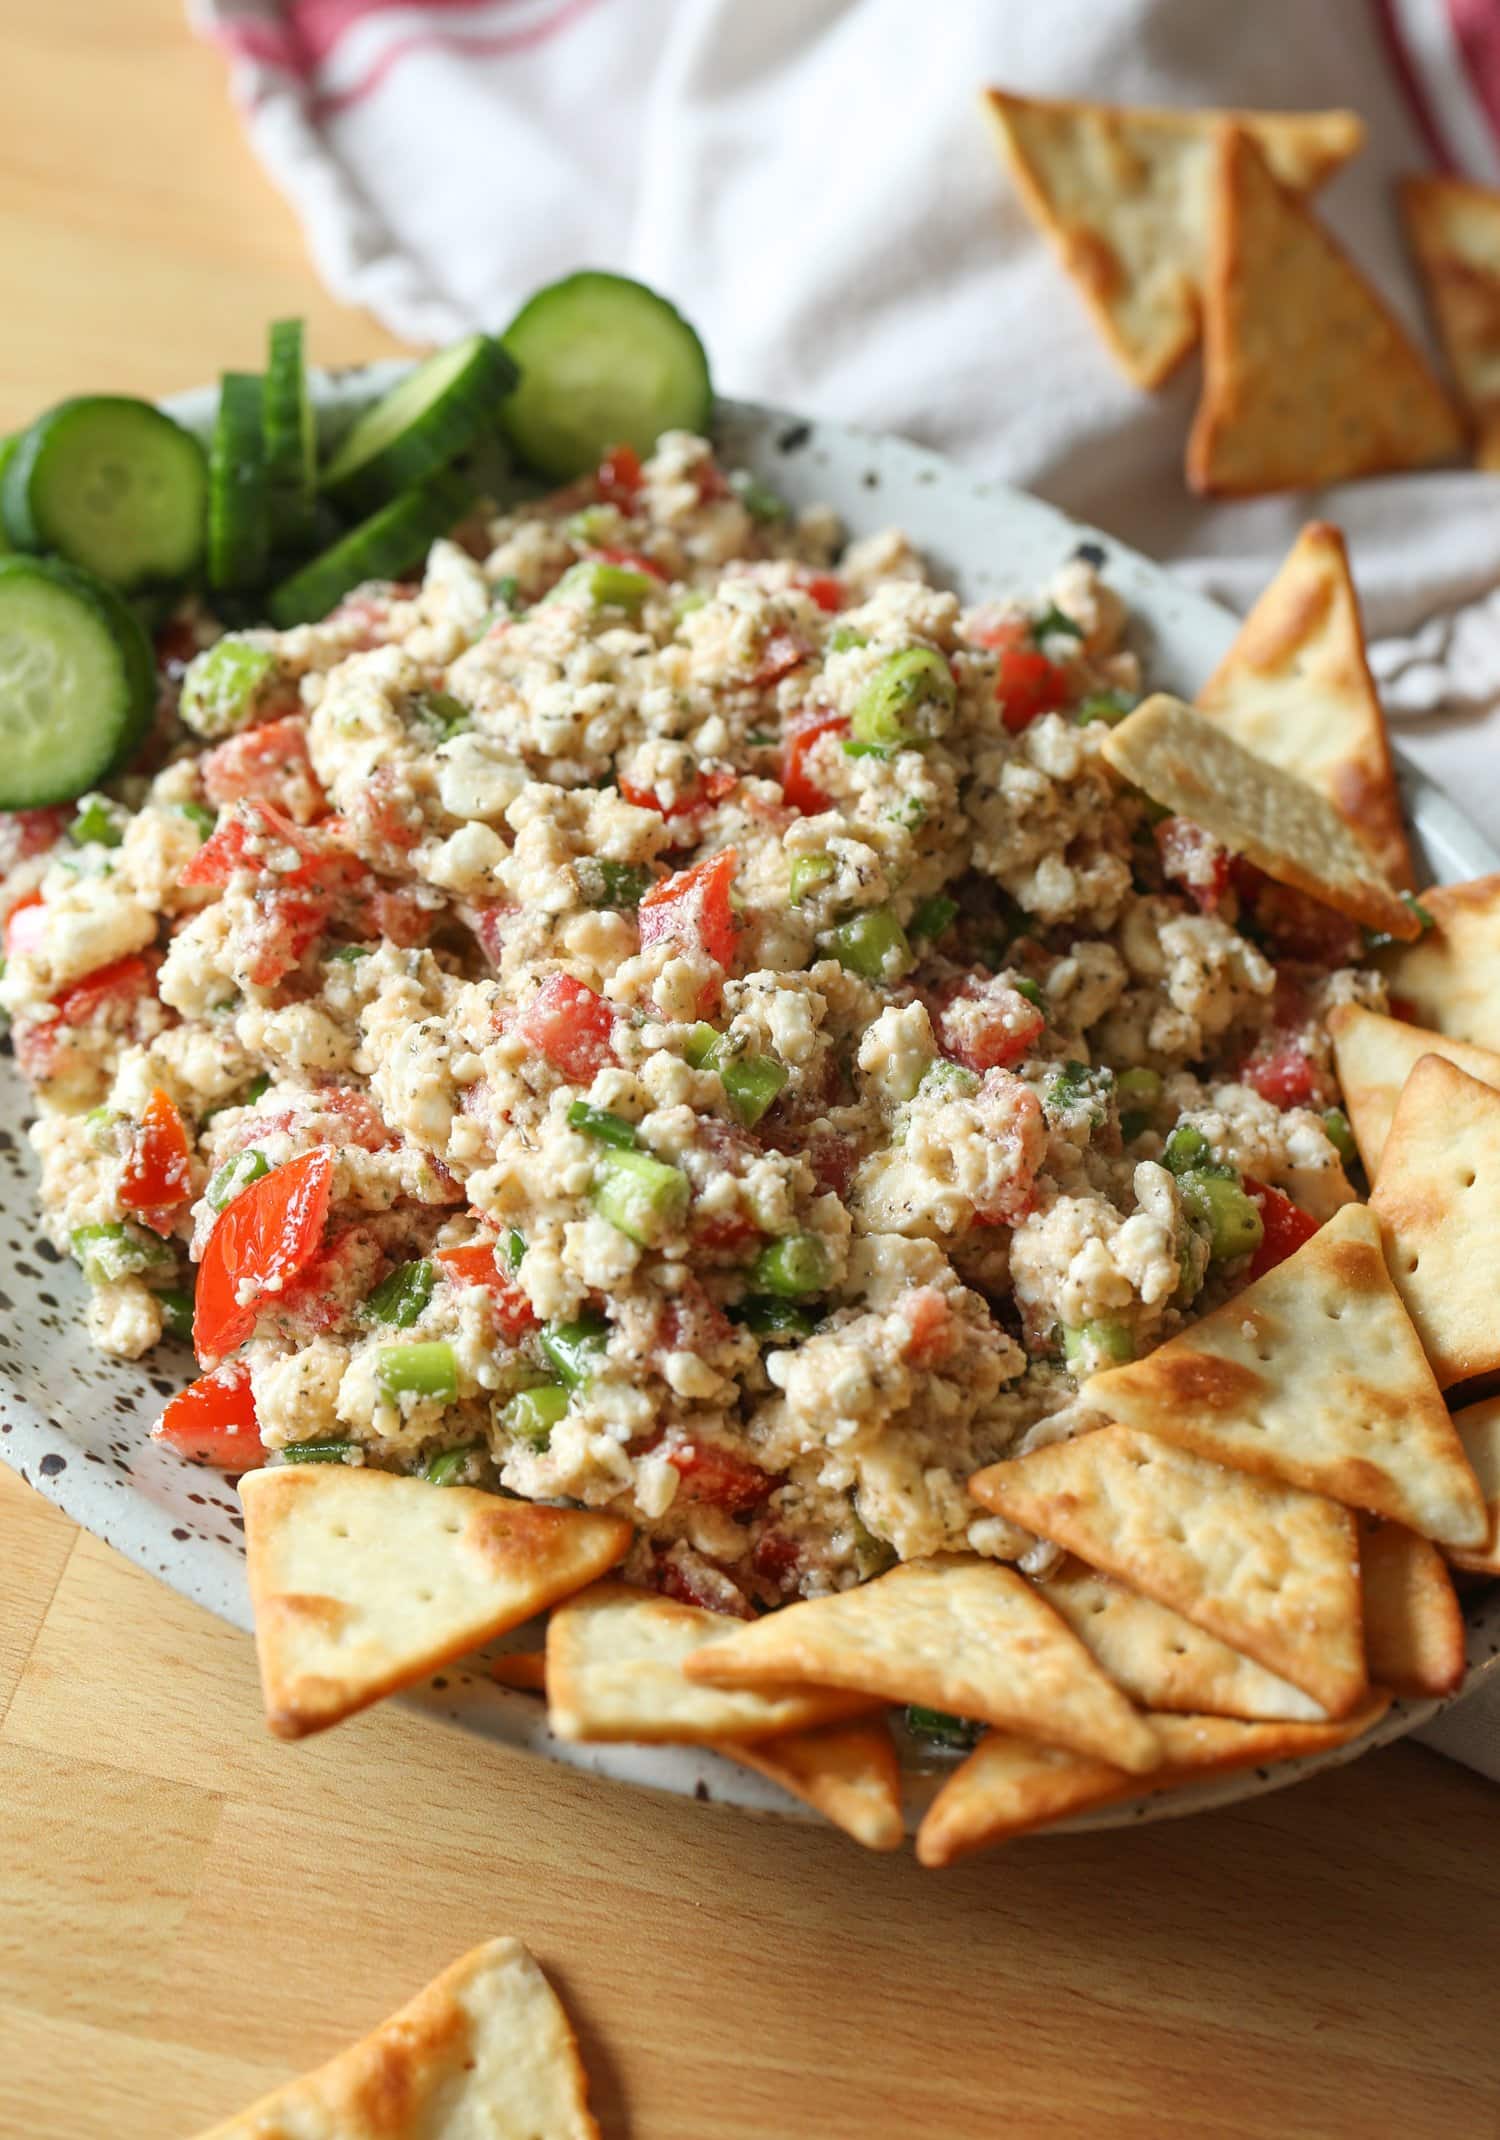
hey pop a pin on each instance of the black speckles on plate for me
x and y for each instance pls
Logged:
(52, 1464)
(794, 438)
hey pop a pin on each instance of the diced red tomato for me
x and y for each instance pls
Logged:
(213, 1421)
(692, 908)
(776, 1558)
(335, 1114)
(620, 477)
(780, 653)
(712, 483)
(1282, 1071)
(797, 785)
(266, 764)
(1194, 859)
(691, 1322)
(25, 926)
(1402, 1007)
(1287, 1227)
(729, 1232)
(989, 1025)
(270, 1233)
(110, 987)
(346, 1267)
(24, 833)
(1015, 1125)
(633, 561)
(286, 926)
(257, 836)
(715, 1475)
(707, 789)
(1026, 682)
(488, 923)
(928, 1317)
(401, 915)
(826, 589)
(571, 1025)
(692, 1580)
(158, 1176)
(474, 1264)
(1298, 927)
(832, 1155)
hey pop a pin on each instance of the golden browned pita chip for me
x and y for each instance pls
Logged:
(526, 1669)
(485, 2049)
(847, 1772)
(1192, 766)
(967, 1636)
(1125, 196)
(1414, 1630)
(1314, 1375)
(363, 1582)
(614, 1671)
(1454, 229)
(1008, 1786)
(1479, 1430)
(1269, 1569)
(1437, 1197)
(1307, 377)
(1295, 688)
(1450, 979)
(1161, 1659)
(1374, 1056)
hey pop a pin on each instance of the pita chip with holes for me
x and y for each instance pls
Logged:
(1296, 689)
(971, 1637)
(1451, 976)
(1454, 230)
(1161, 1659)
(1479, 1430)
(1375, 1055)
(363, 1581)
(1125, 196)
(850, 1773)
(485, 2049)
(1414, 1629)
(1308, 378)
(1269, 1569)
(1437, 1198)
(1193, 767)
(1009, 1787)
(614, 1672)
(1312, 1374)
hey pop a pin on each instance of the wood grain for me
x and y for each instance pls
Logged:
(190, 1911)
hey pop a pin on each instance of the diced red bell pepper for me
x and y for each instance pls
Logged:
(474, 1264)
(268, 763)
(797, 785)
(692, 909)
(620, 477)
(996, 1027)
(1194, 859)
(929, 1319)
(257, 836)
(571, 1025)
(712, 1474)
(825, 588)
(213, 1421)
(25, 926)
(1282, 1071)
(707, 789)
(158, 1176)
(1287, 1227)
(268, 1234)
(1027, 684)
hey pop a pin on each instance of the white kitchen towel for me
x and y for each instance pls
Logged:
(812, 182)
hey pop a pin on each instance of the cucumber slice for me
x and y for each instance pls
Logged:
(77, 682)
(239, 491)
(7, 455)
(604, 362)
(110, 484)
(434, 414)
(291, 439)
(378, 549)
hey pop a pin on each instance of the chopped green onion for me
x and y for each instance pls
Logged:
(443, 711)
(235, 1176)
(576, 1348)
(1414, 905)
(941, 1729)
(1108, 1339)
(699, 1046)
(612, 884)
(176, 1304)
(531, 1414)
(690, 599)
(906, 700)
(449, 1466)
(645, 1197)
(1110, 707)
(1031, 990)
(950, 1080)
(873, 944)
(347, 954)
(867, 750)
(605, 586)
(792, 1267)
(1075, 1083)
(506, 592)
(758, 499)
(223, 687)
(808, 872)
(114, 1250)
(845, 636)
(872, 1555)
(599, 1122)
(1054, 620)
(595, 524)
(317, 1452)
(751, 1085)
(401, 1295)
(200, 815)
(933, 916)
(97, 823)
(766, 1316)
(1133, 1124)
(1186, 1147)
(1142, 1085)
(425, 1369)
(515, 1247)
(1234, 1224)
(1340, 1135)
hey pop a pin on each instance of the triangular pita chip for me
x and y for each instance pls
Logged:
(1125, 195)
(1314, 1375)
(1192, 766)
(614, 1672)
(525, 1669)
(1161, 1660)
(969, 1637)
(1008, 1786)
(1270, 1570)
(1437, 1196)
(485, 2049)
(1295, 688)
(1450, 979)
(1414, 1630)
(1374, 1056)
(1454, 230)
(363, 1581)
(1307, 377)
(849, 1773)
(1479, 1430)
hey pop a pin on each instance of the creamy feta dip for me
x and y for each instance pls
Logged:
(673, 1013)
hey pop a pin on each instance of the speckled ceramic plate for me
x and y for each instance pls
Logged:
(76, 1425)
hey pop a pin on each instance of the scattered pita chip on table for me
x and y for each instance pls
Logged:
(850, 1773)
(485, 2049)
(1269, 1569)
(1009, 1787)
(1479, 1430)
(1308, 378)
(1375, 1055)
(1454, 229)
(1192, 766)
(1161, 1659)
(1437, 1198)
(1414, 1629)
(973, 1638)
(1450, 978)
(1125, 196)
(1296, 689)
(1313, 1374)
(363, 1581)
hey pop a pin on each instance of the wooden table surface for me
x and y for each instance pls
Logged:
(190, 1911)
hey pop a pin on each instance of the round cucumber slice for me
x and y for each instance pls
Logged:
(604, 362)
(239, 493)
(425, 422)
(110, 484)
(7, 455)
(378, 549)
(77, 682)
(290, 439)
